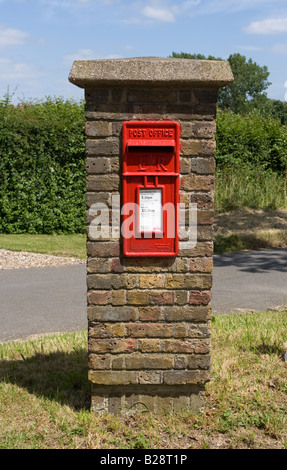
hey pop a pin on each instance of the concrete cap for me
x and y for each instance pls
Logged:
(151, 70)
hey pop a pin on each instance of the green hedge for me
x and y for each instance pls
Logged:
(42, 162)
(250, 140)
(42, 168)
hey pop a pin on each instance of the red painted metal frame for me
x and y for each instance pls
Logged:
(150, 160)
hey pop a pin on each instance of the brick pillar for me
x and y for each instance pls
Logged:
(149, 318)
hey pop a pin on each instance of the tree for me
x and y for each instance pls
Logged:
(186, 55)
(250, 81)
(279, 110)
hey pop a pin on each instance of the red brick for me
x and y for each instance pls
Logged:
(199, 297)
(114, 377)
(187, 346)
(117, 266)
(161, 297)
(185, 377)
(99, 297)
(99, 361)
(103, 249)
(149, 313)
(113, 346)
(149, 330)
(203, 265)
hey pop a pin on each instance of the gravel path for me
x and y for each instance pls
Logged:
(23, 259)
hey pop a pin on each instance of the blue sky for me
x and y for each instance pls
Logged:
(40, 39)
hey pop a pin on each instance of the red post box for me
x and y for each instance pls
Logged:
(150, 195)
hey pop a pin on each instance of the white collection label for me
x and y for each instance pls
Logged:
(150, 210)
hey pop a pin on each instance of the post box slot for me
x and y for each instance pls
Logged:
(149, 160)
(150, 143)
(151, 148)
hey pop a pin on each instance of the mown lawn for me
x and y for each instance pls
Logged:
(64, 245)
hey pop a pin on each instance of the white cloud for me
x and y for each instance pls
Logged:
(158, 13)
(275, 49)
(268, 26)
(169, 10)
(86, 54)
(232, 6)
(190, 3)
(279, 49)
(71, 3)
(65, 4)
(57, 3)
(52, 10)
(10, 37)
(165, 11)
(10, 70)
(81, 54)
(250, 48)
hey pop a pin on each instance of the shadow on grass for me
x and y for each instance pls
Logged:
(58, 376)
(265, 348)
(268, 349)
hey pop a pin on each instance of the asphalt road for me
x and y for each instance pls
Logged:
(255, 280)
(43, 300)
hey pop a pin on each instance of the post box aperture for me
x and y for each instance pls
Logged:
(150, 195)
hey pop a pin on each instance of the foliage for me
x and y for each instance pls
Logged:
(186, 55)
(251, 159)
(255, 188)
(250, 81)
(267, 107)
(42, 167)
(250, 140)
(278, 110)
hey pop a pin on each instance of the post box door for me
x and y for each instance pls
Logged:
(150, 188)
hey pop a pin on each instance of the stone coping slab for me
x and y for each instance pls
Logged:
(156, 71)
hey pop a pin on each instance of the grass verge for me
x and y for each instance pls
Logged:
(44, 394)
(249, 241)
(244, 229)
(256, 188)
(250, 229)
(64, 245)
